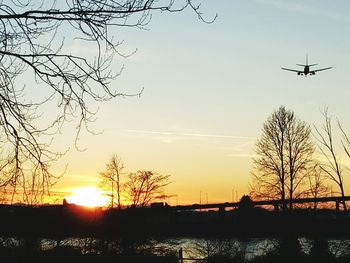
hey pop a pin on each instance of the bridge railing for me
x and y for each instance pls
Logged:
(275, 203)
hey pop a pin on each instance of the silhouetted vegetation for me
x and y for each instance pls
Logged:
(112, 177)
(166, 221)
(332, 167)
(287, 249)
(284, 157)
(144, 187)
(317, 184)
(139, 188)
(153, 233)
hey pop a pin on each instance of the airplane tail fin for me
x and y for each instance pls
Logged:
(307, 58)
(307, 61)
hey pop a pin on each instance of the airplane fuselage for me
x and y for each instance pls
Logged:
(306, 71)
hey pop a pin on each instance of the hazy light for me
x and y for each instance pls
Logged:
(88, 196)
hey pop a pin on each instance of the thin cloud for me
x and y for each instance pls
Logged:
(342, 159)
(243, 155)
(218, 136)
(166, 139)
(302, 8)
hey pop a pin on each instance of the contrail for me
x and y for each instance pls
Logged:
(194, 134)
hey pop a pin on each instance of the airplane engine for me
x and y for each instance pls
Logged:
(312, 73)
(299, 73)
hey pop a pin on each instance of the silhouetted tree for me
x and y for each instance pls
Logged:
(332, 167)
(36, 37)
(33, 186)
(316, 184)
(345, 139)
(284, 154)
(300, 150)
(144, 187)
(112, 175)
(29, 184)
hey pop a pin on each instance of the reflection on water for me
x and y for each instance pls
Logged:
(193, 248)
(339, 247)
(243, 248)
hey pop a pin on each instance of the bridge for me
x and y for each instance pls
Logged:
(275, 203)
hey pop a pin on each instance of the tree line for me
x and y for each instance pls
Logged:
(292, 161)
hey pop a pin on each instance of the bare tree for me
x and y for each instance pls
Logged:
(332, 167)
(284, 153)
(270, 179)
(299, 151)
(112, 176)
(144, 187)
(34, 39)
(33, 186)
(27, 183)
(345, 139)
(316, 184)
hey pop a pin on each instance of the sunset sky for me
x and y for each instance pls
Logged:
(209, 88)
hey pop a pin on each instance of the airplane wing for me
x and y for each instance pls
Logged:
(321, 69)
(298, 71)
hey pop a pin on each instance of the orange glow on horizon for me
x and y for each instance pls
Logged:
(88, 196)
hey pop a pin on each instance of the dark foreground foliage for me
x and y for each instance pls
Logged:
(287, 250)
(72, 234)
(69, 221)
(61, 255)
(72, 255)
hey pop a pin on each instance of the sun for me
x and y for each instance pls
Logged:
(90, 196)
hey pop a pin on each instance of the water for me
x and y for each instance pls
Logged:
(193, 248)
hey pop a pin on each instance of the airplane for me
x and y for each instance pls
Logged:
(306, 70)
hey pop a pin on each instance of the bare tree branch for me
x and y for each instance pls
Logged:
(34, 39)
(333, 166)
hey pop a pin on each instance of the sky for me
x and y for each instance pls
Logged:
(208, 88)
